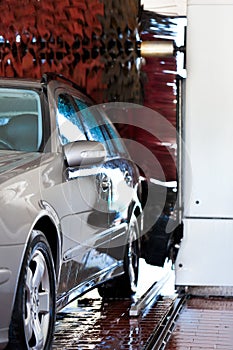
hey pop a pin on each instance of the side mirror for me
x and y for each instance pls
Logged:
(80, 153)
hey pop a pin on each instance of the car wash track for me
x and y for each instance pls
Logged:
(152, 321)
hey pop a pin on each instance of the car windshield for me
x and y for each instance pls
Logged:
(20, 120)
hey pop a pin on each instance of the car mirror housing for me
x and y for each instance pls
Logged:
(80, 153)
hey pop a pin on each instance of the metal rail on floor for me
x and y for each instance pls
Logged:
(152, 293)
(163, 331)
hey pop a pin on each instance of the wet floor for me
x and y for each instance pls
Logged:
(97, 325)
(91, 323)
(204, 324)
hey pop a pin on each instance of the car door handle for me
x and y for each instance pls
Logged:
(128, 178)
(105, 184)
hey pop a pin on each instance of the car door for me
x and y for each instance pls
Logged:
(117, 172)
(85, 234)
(123, 188)
(102, 214)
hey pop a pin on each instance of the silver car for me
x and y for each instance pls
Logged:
(70, 207)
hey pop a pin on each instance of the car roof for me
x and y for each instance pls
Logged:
(20, 82)
(43, 82)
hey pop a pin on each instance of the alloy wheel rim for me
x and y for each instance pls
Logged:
(37, 301)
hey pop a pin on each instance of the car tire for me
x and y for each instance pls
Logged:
(33, 318)
(124, 286)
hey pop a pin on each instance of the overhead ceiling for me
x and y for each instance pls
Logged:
(166, 7)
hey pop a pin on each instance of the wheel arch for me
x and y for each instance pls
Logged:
(46, 225)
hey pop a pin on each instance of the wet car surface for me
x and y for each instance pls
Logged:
(70, 202)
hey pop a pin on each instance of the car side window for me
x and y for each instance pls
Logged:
(69, 124)
(92, 126)
(112, 136)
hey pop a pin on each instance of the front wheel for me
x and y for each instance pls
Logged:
(125, 285)
(33, 315)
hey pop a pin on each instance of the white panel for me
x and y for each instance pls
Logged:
(209, 112)
(166, 7)
(205, 257)
(210, 2)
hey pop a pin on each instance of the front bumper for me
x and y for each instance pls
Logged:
(10, 265)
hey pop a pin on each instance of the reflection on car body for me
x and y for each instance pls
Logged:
(69, 198)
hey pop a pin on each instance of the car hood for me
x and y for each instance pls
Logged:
(14, 163)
